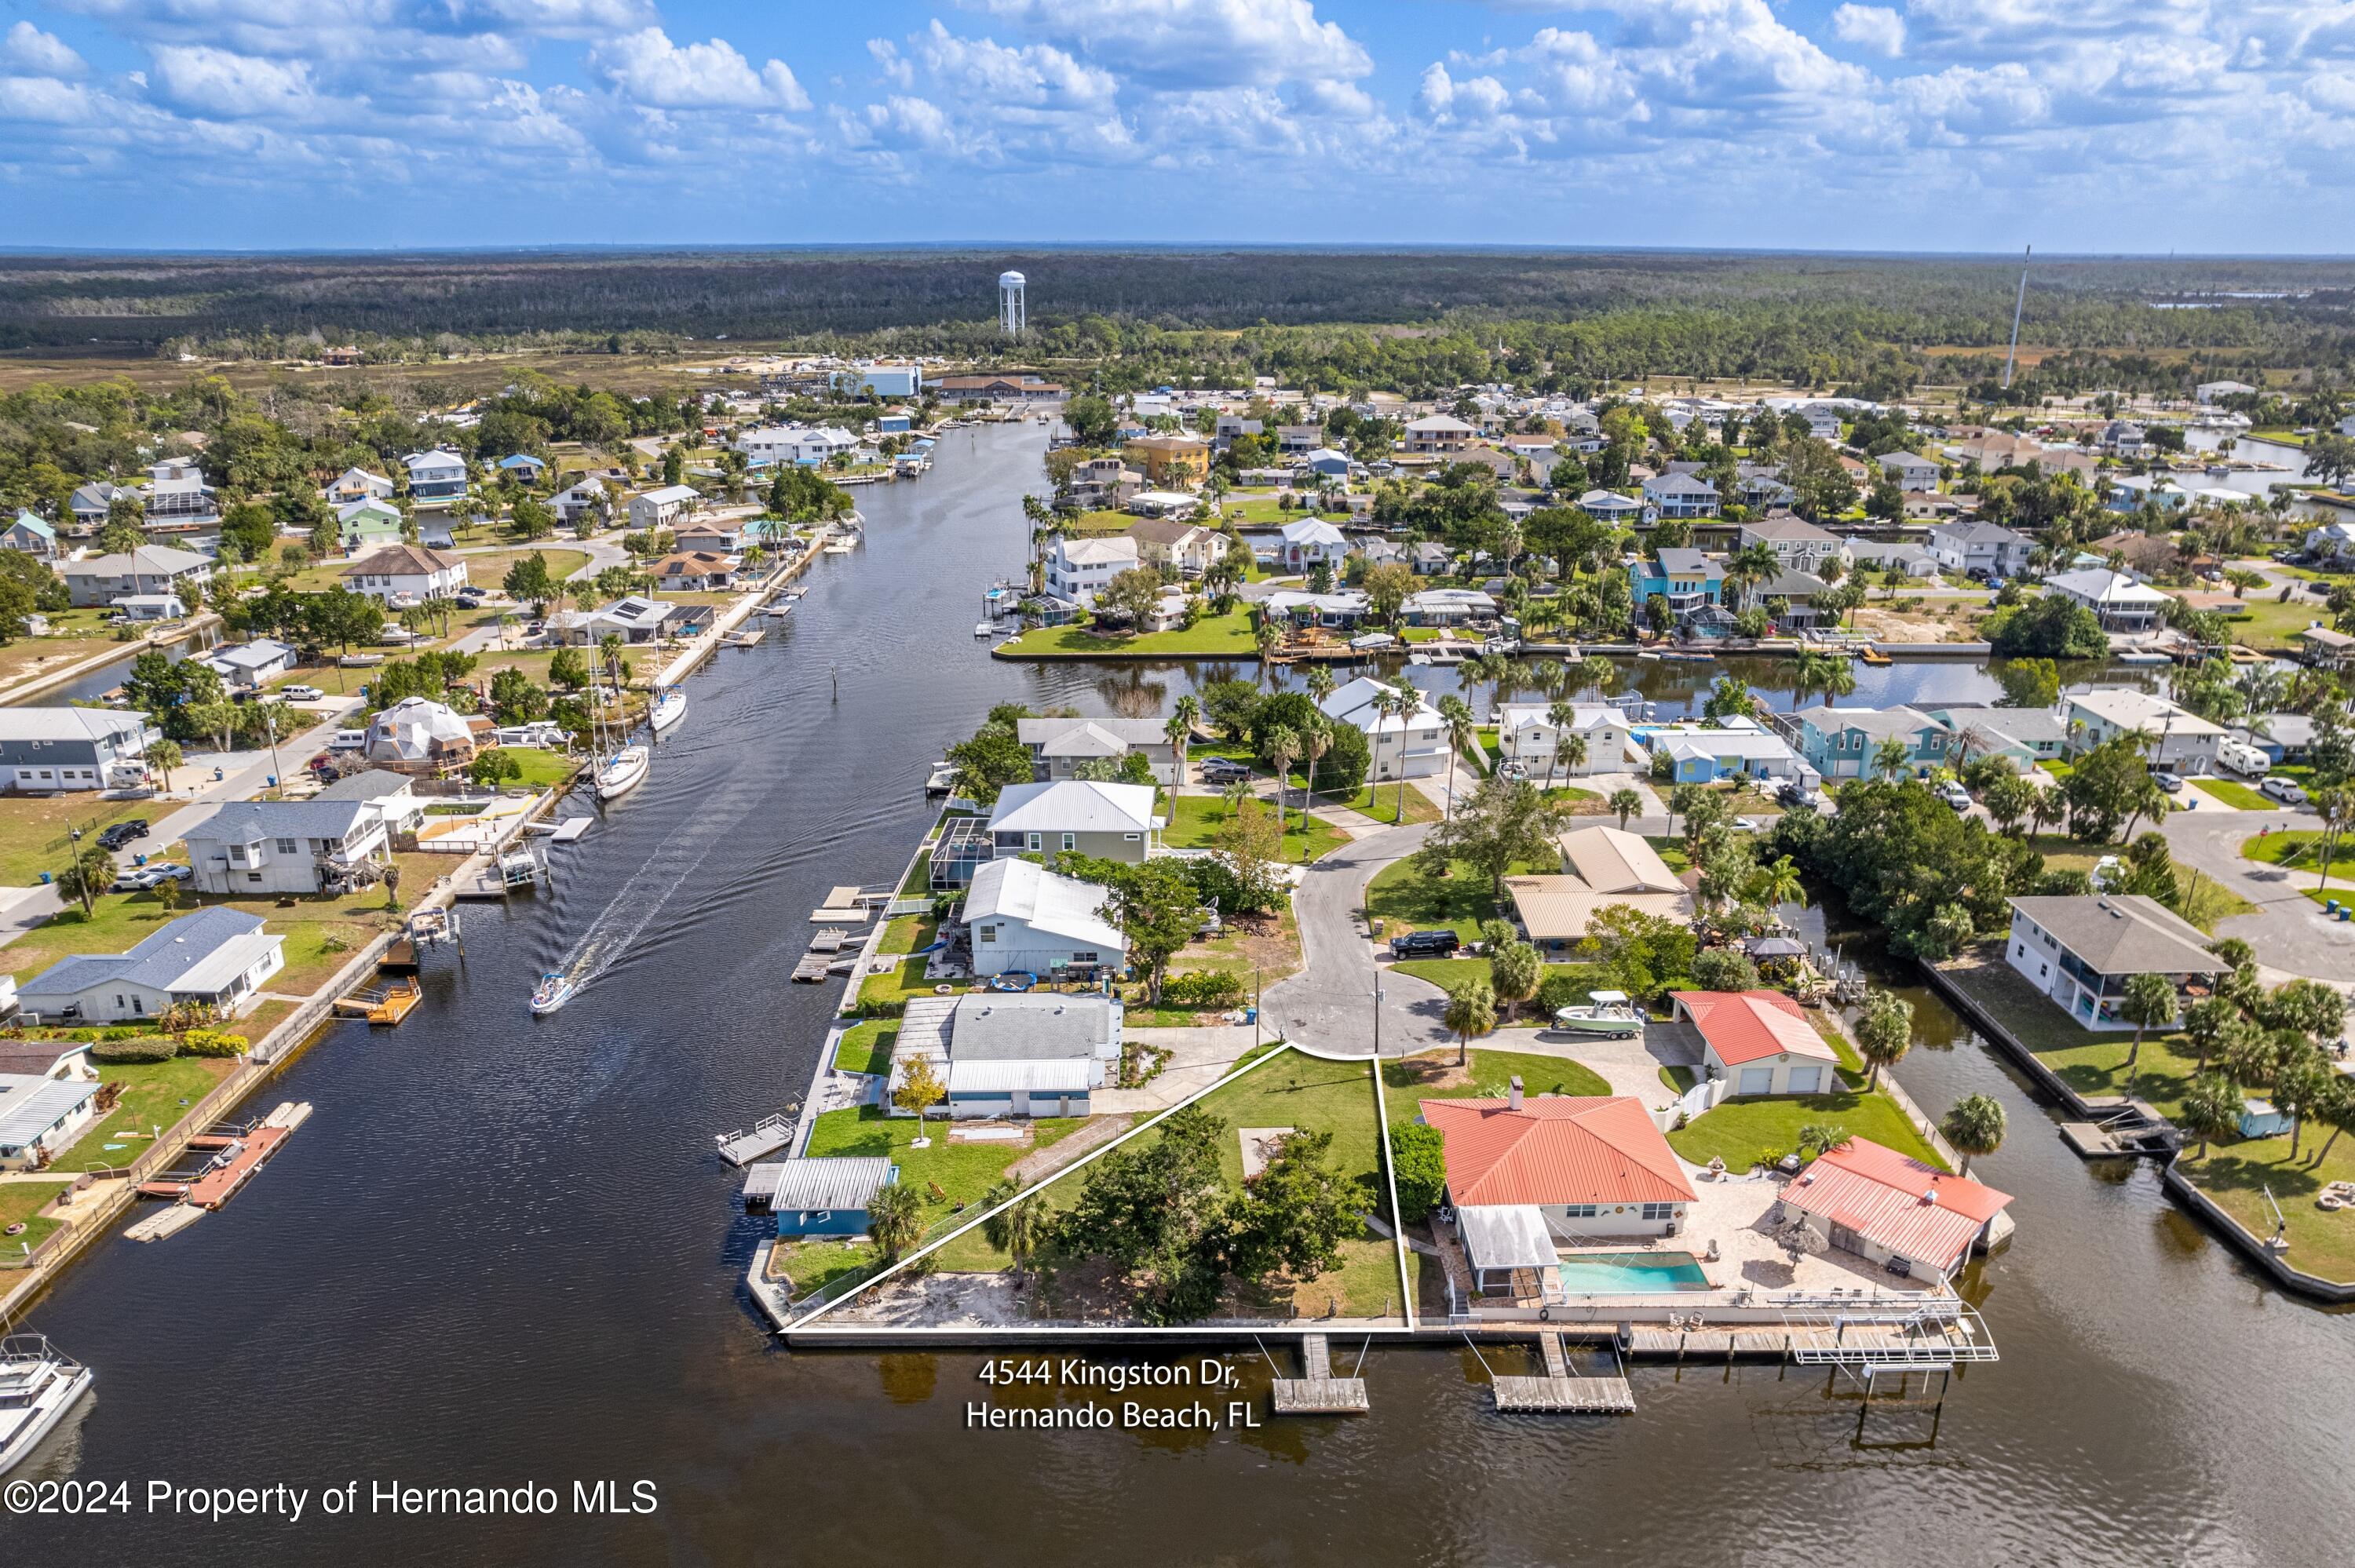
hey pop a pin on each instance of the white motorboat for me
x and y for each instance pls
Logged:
(553, 991)
(669, 708)
(982, 628)
(1608, 1012)
(622, 771)
(39, 1383)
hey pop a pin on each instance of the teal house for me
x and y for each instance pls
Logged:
(818, 1197)
(1844, 743)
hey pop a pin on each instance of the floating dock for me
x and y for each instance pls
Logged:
(238, 1156)
(163, 1223)
(1317, 1392)
(384, 1007)
(766, 1137)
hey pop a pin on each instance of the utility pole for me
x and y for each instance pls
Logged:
(2016, 306)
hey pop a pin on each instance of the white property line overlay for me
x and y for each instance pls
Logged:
(1249, 1067)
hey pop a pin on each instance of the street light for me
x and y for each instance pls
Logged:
(1377, 1014)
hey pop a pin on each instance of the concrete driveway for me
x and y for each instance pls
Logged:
(1330, 1002)
(1197, 1058)
(1631, 1066)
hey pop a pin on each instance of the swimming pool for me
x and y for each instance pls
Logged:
(1632, 1273)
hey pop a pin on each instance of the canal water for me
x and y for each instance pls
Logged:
(502, 1253)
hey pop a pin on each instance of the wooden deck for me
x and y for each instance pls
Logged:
(1317, 1392)
(1559, 1391)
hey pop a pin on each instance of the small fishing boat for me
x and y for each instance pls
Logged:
(669, 708)
(622, 772)
(981, 628)
(1690, 658)
(1608, 1012)
(39, 1383)
(2142, 657)
(553, 991)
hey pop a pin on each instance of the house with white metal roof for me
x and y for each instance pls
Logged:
(1526, 734)
(41, 1115)
(818, 1197)
(2121, 603)
(150, 570)
(1025, 918)
(1109, 821)
(1060, 747)
(1408, 746)
(2178, 737)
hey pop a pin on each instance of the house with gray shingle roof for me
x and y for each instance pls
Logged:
(220, 957)
(2081, 950)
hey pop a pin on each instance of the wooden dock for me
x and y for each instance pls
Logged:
(811, 968)
(1318, 1391)
(382, 1007)
(1559, 1391)
(764, 1137)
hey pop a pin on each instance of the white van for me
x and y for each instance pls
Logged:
(348, 741)
(2243, 759)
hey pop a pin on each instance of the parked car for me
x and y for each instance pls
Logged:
(173, 872)
(1955, 795)
(123, 832)
(302, 694)
(2286, 791)
(1222, 770)
(1791, 793)
(2170, 782)
(348, 741)
(1439, 944)
(135, 879)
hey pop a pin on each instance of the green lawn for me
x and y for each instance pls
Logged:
(1679, 1077)
(2300, 850)
(2270, 624)
(1405, 897)
(1267, 957)
(541, 770)
(867, 1047)
(1227, 636)
(17, 1201)
(1489, 1076)
(1380, 801)
(1672, 854)
(1449, 973)
(904, 935)
(1289, 1088)
(155, 1094)
(1195, 821)
(948, 1173)
(1745, 1132)
(2238, 796)
(33, 829)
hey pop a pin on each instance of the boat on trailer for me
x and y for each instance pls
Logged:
(1607, 1013)
(39, 1383)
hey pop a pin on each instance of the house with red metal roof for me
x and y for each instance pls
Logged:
(1525, 1175)
(1758, 1043)
(1912, 1218)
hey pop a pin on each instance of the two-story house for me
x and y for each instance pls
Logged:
(2177, 737)
(1683, 495)
(1107, 821)
(357, 484)
(1187, 550)
(1845, 743)
(1170, 462)
(1061, 747)
(2120, 603)
(1408, 746)
(1966, 544)
(1526, 734)
(1913, 471)
(148, 571)
(1688, 579)
(45, 751)
(1078, 569)
(1799, 546)
(284, 846)
(407, 575)
(1308, 541)
(1438, 433)
(436, 476)
(2081, 950)
(663, 506)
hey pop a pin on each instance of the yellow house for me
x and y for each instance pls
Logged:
(1171, 460)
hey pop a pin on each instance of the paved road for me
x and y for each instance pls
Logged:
(1331, 1002)
(2289, 930)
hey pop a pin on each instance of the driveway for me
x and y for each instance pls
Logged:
(1631, 1066)
(1197, 1058)
(1329, 1004)
(2288, 930)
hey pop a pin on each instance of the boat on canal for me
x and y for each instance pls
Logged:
(669, 708)
(1607, 1013)
(553, 991)
(39, 1383)
(621, 771)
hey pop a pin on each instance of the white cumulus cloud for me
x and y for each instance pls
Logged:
(1874, 28)
(650, 70)
(43, 54)
(233, 86)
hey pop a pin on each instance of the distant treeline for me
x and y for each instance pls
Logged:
(1330, 319)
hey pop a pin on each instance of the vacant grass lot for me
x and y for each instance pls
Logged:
(541, 770)
(1227, 636)
(1433, 1075)
(1406, 897)
(74, 634)
(1307, 1094)
(155, 1094)
(867, 1047)
(35, 829)
(1195, 821)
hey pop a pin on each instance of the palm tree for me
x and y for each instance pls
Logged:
(1320, 683)
(1597, 672)
(2149, 999)
(2336, 807)
(1267, 636)
(1283, 750)
(1573, 751)
(1017, 1228)
(1884, 1032)
(1471, 1010)
(1178, 732)
(1821, 1138)
(164, 756)
(1490, 667)
(1463, 733)
(895, 1217)
(1562, 716)
(1779, 884)
(1889, 758)
(1406, 700)
(1626, 802)
(1976, 1126)
(1315, 741)
(2212, 1109)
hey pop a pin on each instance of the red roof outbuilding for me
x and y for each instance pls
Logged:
(1894, 1201)
(1751, 1025)
(1556, 1150)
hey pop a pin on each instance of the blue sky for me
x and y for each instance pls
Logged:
(2081, 125)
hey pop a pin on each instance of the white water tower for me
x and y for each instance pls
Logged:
(1013, 314)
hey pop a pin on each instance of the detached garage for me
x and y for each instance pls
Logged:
(1758, 1043)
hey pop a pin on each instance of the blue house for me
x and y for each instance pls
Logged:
(1688, 579)
(523, 466)
(1704, 757)
(1327, 460)
(1842, 742)
(30, 534)
(819, 1197)
(890, 424)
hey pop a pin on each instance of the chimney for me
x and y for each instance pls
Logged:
(1517, 1092)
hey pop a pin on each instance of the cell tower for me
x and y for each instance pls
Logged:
(1013, 312)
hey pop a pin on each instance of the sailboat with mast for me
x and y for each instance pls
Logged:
(620, 768)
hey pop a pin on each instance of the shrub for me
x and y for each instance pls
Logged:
(878, 1007)
(1723, 969)
(154, 1048)
(121, 1033)
(1421, 1169)
(213, 1042)
(1204, 988)
(1564, 988)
